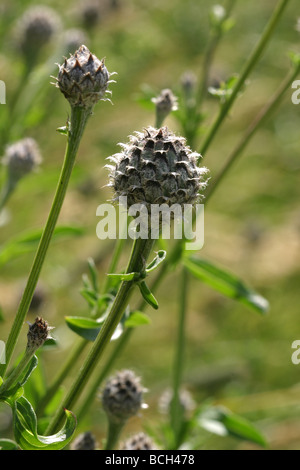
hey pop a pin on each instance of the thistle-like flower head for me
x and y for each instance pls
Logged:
(157, 167)
(139, 441)
(83, 78)
(122, 396)
(21, 158)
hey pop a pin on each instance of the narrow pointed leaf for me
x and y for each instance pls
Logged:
(147, 295)
(161, 254)
(137, 318)
(220, 421)
(226, 283)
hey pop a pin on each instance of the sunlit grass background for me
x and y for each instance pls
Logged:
(252, 226)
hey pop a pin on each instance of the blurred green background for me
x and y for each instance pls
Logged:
(252, 226)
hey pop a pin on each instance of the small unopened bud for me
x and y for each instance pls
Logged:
(36, 27)
(83, 79)
(85, 441)
(37, 334)
(122, 396)
(165, 103)
(139, 441)
(21, 158)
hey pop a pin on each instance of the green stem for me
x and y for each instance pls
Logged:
(140, 253)
(116, 353)
(61, 376)
(253, 127)
(249, 66)
(114, 431)
(68, 366)
(79, 118)
(6, 193)
(176, 408)
(18, 370)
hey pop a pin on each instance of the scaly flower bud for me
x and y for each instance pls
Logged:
(122, 396)
(37, 334)
(21, 158)
(157, 167)
(139, 442)
(85, 441)
(83, 79)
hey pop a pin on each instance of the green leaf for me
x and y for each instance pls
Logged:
(88, 328)
(25, 429)
(226, 283)
(220, 421)
(29, 241)
(161, 254)
(93, 274)
(137, 318)
(85, 327)
(147, 295)
(63, 130)
(30, 368)
(8, 444)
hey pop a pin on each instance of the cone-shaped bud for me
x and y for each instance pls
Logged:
(83, 79)
(157, 167)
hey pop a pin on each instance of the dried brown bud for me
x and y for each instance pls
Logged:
(37, 334)
(83, 79)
